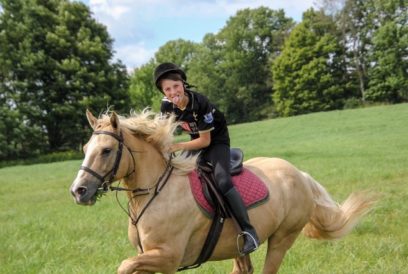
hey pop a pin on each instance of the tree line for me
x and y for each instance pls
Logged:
(56, 61)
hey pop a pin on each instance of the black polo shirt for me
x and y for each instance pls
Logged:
(199, 116)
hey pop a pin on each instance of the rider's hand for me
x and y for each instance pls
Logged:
(175, 147)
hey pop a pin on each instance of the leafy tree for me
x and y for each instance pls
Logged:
(388, 74)
(234, 65)
(375, 32)
(308, 76)
(178, 51)
(17, 140)
(55, 62)
(355, 19)
(143, 92)
(204, 72)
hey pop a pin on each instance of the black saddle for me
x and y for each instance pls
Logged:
(236, 159)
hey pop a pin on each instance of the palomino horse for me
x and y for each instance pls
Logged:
(167, 227)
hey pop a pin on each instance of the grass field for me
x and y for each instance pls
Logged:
(43, 231)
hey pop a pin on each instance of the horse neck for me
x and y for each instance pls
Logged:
(149, 165)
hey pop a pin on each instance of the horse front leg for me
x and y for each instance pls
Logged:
(152, 261)
(242, 265)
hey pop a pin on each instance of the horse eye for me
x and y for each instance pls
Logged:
(106, 151)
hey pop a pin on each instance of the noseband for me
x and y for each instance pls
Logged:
(105, 183)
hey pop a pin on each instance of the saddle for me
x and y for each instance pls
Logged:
(253, 192)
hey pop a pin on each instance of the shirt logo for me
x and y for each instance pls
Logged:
(208, 118)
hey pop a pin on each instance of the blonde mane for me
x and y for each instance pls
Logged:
(158, 131)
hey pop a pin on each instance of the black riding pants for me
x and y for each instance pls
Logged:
(219, 157)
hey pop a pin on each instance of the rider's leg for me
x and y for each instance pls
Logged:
(219, 156)
(239, 211)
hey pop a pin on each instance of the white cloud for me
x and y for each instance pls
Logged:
(140, 27)
(292, 8)
(134, 55)
(110, 9)
(179, 8)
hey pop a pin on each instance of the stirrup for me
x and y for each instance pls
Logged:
(242, 234)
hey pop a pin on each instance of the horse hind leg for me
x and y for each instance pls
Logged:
(277, 248)
(242, 265)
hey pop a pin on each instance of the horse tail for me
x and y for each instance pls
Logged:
(330, 220)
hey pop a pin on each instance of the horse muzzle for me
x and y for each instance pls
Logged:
(84, 195)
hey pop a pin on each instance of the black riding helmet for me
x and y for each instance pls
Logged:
(165, 68)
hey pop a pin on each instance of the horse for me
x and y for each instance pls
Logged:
(167, 228)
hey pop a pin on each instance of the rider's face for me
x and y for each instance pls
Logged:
(174, 91)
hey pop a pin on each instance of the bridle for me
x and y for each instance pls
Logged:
(106, 183)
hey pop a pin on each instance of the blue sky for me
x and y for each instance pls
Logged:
(140, 27)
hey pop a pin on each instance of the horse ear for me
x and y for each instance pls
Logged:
(91, 119)
(114, 119)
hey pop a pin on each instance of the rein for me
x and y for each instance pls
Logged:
(158, 186)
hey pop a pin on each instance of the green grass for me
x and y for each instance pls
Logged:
(45, 158)
(43, 231)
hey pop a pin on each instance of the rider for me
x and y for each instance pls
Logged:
(209, 134)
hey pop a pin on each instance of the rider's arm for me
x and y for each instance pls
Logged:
(202, 141)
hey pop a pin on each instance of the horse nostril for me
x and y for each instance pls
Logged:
(81, 190)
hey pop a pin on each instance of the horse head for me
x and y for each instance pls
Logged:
(148, 137)
(103, 161)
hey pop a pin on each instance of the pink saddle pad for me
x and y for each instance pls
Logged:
(253, 191)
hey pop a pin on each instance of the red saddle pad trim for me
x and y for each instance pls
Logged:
(253, 191)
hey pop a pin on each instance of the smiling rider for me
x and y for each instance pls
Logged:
(209, 135)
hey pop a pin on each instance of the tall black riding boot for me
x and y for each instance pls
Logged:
(239, 211)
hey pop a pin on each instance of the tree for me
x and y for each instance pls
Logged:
(388, 72)
(308, 76)
(143, 92)
(234, 65)
(56, 62)
(17, 140)
(356, 21)
(205, 74)
(375, 32)
(178, 51)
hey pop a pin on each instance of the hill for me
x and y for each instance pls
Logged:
(43, 231)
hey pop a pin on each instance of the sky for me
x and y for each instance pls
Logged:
(140, 27)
